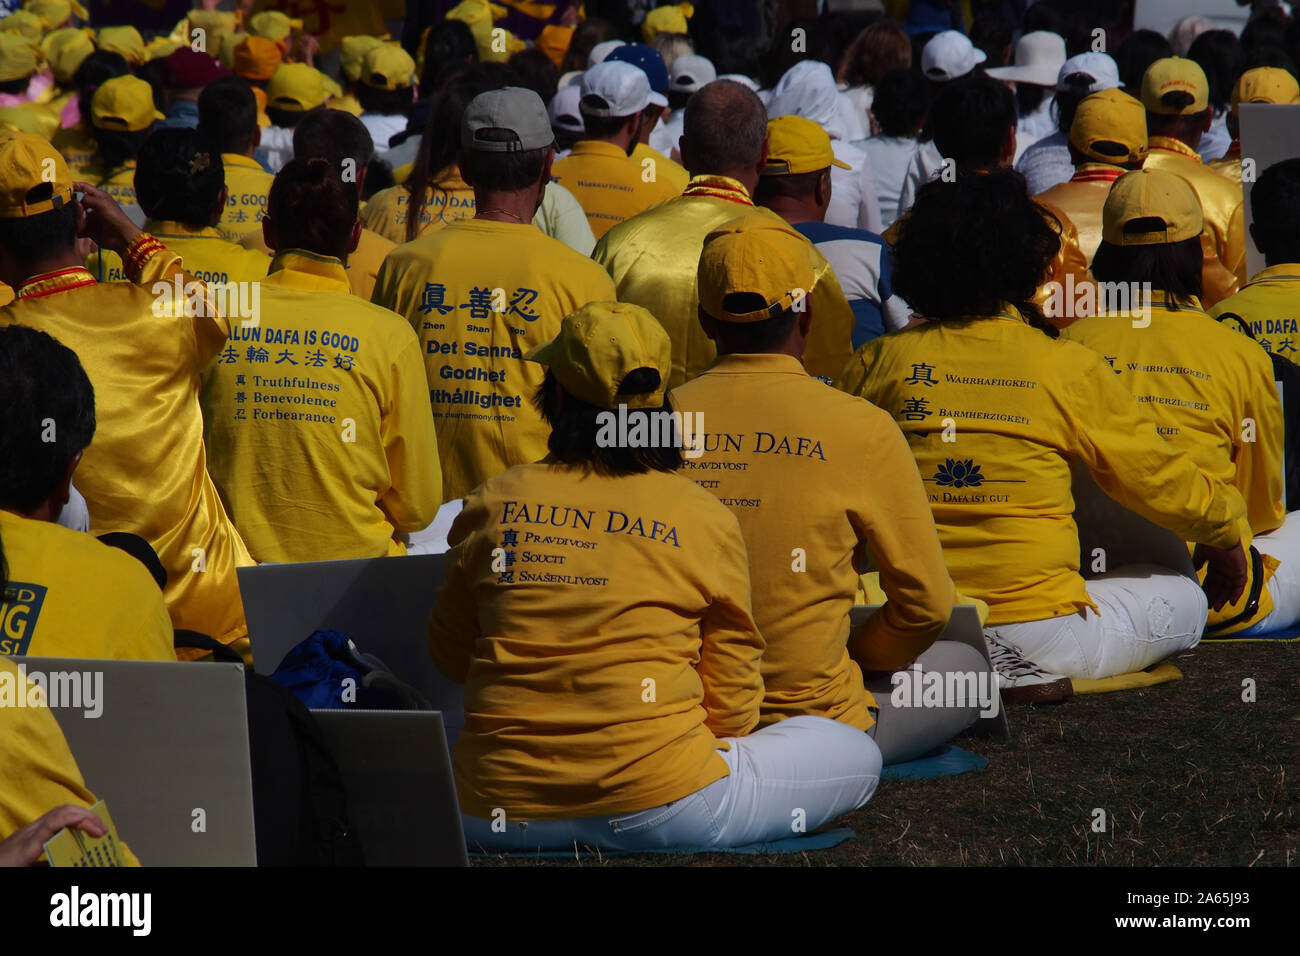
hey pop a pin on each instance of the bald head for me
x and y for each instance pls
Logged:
(724, 132)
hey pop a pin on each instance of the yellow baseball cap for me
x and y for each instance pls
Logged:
(297, 87)
(257, 58)
(124, 103)
(30, 161)
(1111, 127)
(796, 145)
(352, 50)
(28, 118)
(26, 24)
(755, 256)
(1265, 84)
(55, 13)
(599, 345)
(66, 49)
(666, 20)
(218, 28)
(273, 25)
(124, 40)
(1151, 194)
(18, 57)
(388, 67)
(1174, 74)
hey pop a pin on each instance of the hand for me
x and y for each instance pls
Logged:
(105, 222)
(1227, 575)
(307, 46)
(24, 847)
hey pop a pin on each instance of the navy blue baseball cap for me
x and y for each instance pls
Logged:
(651, 64)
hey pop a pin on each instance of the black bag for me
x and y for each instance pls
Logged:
(1288, 373)
(299, 805)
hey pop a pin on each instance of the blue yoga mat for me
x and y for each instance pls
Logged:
(945, 761)
(822, 840)
(1283, 636)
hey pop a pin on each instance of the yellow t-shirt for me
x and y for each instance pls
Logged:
(319, 432)
(602, 629)
(772, 435)
(247, 186)
(388, 210)
(146, 470)
(1221, 202)
(207, 256)
(37, 770)
(480, 294)
(608, 185)
(362, 265)
(1270, 305)
(78, 147)
(118, 182)
(665, 169)
(1018, 408)
(68, 595)
(653, 259)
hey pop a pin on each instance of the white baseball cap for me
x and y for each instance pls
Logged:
(950, 54)
(564, 110)
(690, 72)
(1099, 67)
(602, 50)
(1039, 57)
(614, 88)
(742, 79)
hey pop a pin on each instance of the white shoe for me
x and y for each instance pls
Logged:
(1022, 681)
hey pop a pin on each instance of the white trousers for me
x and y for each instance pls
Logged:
(1284, 586)
(786, 779)
(1146, 614)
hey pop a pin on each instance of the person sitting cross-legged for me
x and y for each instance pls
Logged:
(597, 610)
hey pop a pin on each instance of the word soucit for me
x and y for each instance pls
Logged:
(74, 690)
(241, 300)
(74, 908)
(914, 688)
(1099, 298)
(613, 522)
(646, 429)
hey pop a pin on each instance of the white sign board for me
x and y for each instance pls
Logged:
(1163, 15)
(1269, 134)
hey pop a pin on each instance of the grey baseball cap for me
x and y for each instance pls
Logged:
(508, 120)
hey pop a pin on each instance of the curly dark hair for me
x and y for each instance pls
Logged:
(970, 245)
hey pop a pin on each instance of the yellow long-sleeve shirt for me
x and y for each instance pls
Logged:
(318, 427)
(480, 294)
(772, 434)
(1017, 409)
(247, 187)
(207, 256)
(610, 187)
(37, 770)
(146, 469)
(602, 629)
(1210, 390)
(653, 259)
(56, 575)
(1224, 238)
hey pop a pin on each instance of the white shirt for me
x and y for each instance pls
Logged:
(382, 129)
(890, 156)
(853, 191)
(925, 165)
(664, 137)
(1034, 126)
(278, 144)
(1046, 163)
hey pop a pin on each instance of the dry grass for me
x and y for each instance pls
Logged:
(1187, 773)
